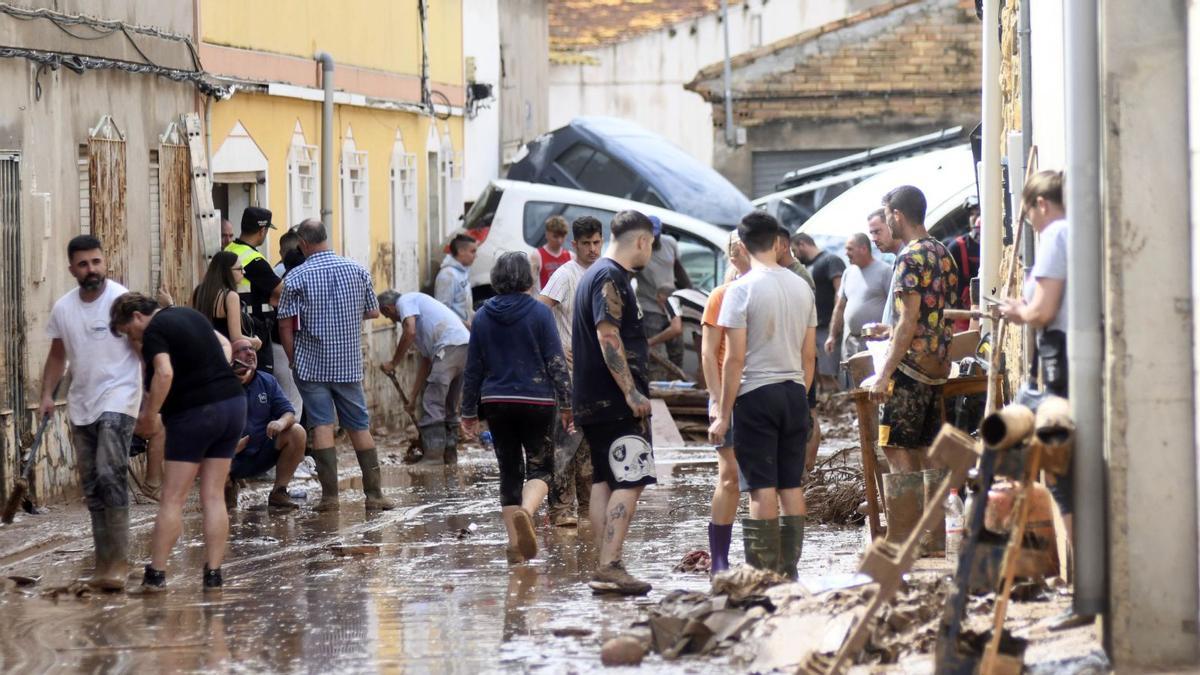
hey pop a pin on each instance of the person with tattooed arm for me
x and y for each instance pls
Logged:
(611, 392)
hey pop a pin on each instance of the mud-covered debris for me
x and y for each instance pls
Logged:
(354, 549)
(23, 580)
(76, 589)
(571, 631)
(744, 581)
(695, 562)
(622, 651)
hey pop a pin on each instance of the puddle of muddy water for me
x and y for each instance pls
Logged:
(422, 598)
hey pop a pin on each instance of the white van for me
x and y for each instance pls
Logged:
(511, 216)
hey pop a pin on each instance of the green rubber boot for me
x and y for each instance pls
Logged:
(368, 461)
(326, 459)
(760, 539)
(791, 543)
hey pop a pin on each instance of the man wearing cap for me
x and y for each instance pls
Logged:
(271, 439)
(260, 288)
(664, 269)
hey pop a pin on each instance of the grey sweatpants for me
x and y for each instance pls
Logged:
(443, 390)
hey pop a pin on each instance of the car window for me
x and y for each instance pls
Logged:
(705, 264)
(536, 214)
(575, 158)
(607, 176)
(651, 197)
(484, 209)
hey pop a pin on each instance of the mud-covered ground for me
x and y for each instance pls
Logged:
(434, 593)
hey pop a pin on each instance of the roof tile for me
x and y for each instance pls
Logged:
(586, 24)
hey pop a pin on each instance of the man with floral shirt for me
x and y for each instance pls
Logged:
(924, 283)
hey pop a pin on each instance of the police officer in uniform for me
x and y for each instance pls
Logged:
(260, 287)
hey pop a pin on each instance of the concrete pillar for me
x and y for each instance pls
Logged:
(1149, 404)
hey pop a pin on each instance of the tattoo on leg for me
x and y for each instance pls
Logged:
(610, 531)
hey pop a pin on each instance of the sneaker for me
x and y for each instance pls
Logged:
(612, 578)
(154, 581)
(526, 537)
(279, 499)
(212, 578)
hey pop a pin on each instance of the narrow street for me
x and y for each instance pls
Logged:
(430, 591)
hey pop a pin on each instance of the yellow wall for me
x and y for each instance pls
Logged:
(270, 121)
(379, 34)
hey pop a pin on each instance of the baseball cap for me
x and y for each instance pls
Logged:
(255, 218)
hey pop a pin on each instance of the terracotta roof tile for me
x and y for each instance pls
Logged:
(585, 24)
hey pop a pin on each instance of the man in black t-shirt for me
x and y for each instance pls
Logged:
(610, 354)
(260, 287)
(826, 270)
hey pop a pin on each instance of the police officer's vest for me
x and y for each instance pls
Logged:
(246, 254)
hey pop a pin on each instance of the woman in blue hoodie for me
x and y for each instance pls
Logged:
(515, 379)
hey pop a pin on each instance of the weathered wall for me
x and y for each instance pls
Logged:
(47, 128)
(642, 79)
(524, 43)
(1149, 431)
(481, 45)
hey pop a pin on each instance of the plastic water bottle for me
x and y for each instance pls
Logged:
(954, 527)
(485, 439)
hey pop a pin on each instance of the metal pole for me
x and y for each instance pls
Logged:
(1084, 298)
(327, 149)
(730, 135)
(1028, 241)
(991, 198)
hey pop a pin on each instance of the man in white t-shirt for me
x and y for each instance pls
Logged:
(770, 321)
(102, 403)
(569, 499)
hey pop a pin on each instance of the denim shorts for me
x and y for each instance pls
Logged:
(209, 431)
(323, 399)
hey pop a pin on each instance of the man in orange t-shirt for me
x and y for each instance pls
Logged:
(712, 358)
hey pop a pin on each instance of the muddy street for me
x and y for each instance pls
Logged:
(425, 588)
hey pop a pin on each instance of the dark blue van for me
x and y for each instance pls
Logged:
(616, 157)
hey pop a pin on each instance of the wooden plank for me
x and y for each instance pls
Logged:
(866, 442)
(662, 425)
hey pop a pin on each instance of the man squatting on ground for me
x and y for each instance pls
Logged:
(570, 494)
(516, 379)
(102, 402)
(441, 339)
(452, 286)
(608, 345)
(271, 439)
(910, 383)
(203, 409)
(330, 296)
(726, 494)
(770, 320)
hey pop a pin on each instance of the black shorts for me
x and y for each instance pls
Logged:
(622, 453)
(209, 431)
(769, 434)
(910, 419)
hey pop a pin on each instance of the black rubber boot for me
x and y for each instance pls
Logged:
(760, 539)
(451, 447)
(433, 443)
(115, 573)
(368, 461)
(326, 459)
(102, 546)
(791, 543)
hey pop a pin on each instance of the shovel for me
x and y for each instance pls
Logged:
(21, 485)
(413, 454)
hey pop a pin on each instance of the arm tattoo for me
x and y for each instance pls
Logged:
(614, 358)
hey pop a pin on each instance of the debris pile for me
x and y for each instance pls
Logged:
(833, 491)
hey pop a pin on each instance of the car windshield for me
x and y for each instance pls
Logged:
(484, 209)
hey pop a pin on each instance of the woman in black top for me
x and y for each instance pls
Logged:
(203, 408)
(217, 298)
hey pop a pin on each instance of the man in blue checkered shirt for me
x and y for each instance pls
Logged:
(321, 312)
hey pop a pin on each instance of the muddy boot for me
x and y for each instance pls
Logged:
(102, 545)
(212, 578)
(326, 459)
(154, 581)
(433, 443)
(903, 502)
(280, 500)
(719, 537)
(451, 452)
(368, 461)
(117, 569)
(791, 543)
(933, 540)
(760, 538)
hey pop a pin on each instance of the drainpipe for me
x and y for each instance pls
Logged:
(991, 198)
(730, 132)
(1028, 246)
(1084, 297)
(1193, 65)
(326, 140)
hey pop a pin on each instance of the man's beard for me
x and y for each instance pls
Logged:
(91, 282)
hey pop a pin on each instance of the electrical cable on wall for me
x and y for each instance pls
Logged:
(80, 64)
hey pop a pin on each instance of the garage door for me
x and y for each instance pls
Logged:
(770, 166)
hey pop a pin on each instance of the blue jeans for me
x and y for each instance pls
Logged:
(102, 455)
(322, 399)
